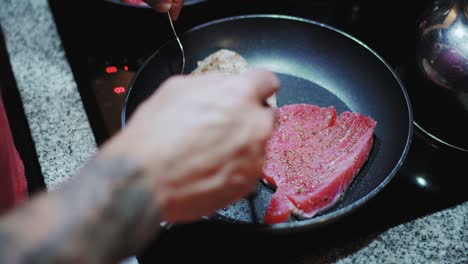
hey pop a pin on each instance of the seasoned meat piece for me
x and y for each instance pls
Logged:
(226, 61)
(312, 157)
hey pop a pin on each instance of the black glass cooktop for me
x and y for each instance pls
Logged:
(107, 43)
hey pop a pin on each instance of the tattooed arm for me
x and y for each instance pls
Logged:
(102, 215)
(180, 157)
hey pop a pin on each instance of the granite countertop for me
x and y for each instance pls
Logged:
(64, 141)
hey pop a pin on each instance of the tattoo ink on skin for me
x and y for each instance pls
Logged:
(102, 215)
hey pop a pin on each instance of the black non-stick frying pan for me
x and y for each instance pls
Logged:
(317, 64)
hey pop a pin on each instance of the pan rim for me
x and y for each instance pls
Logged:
(334, 216)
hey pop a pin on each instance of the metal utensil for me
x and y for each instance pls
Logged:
(178, 41)
(442, 63)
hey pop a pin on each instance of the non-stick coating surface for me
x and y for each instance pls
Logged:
(317, 64)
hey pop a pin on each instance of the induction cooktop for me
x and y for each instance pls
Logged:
(106, 44)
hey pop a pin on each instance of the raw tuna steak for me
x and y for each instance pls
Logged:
(312, 157)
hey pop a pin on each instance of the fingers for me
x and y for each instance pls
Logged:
(232, 181)
(176, 8)
(256, 84)
(263, 125)
(162, 6)
(261, 84)
(172, 6)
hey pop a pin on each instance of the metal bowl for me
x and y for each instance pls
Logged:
(443, 46)
(441, 97)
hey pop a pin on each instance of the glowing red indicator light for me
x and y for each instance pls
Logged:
(125, 68)
(111, 69)
(119, 90)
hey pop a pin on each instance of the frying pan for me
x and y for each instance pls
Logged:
(317, 64)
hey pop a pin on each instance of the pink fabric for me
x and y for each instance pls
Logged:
(13, 186)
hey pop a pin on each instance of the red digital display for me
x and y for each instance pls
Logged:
(119, 90)
(111, 69)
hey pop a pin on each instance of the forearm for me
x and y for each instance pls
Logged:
(104, 214)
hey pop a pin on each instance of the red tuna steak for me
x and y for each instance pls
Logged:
(312, 158)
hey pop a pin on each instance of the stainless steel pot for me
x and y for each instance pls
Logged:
(442, 58)
(443, 47)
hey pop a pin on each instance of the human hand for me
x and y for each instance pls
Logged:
(202, 139)
(172, 6)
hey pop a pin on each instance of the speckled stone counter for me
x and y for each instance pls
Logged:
(64, 141)
(438, 238)
(58, 122)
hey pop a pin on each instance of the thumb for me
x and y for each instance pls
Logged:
(162, 6)
(263, 83)
(176, 8)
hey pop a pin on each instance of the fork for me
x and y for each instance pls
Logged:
(178, 41)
